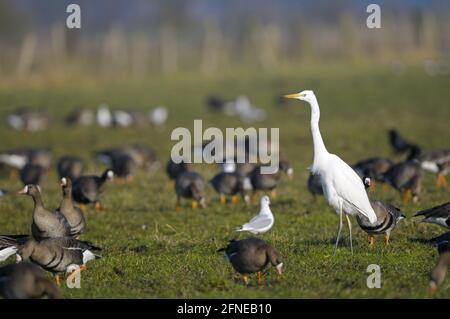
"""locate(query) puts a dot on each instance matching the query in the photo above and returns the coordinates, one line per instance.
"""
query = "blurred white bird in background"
(262, 222)
(342, 187)
(104, 116)
(158, 116)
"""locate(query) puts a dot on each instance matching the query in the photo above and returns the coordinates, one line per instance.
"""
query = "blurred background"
(139, 38)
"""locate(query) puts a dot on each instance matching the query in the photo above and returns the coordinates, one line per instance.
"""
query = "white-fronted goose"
(314, 185)
(229, 184)
(405, 177)
(262, 222)
(437, 161)
(73, 215)
(251, 255)
(89, 189)
(190, 185)
(398, 143)
(46, 224)
(57, 255)
(176, 169)
(29, 121)
(18, 158)
(439, 215)
(81, 117)
(70, 166)
(32, 174)
(26, 281)
(374, 168)
(261, 181)
(387, 218)
(142, 156)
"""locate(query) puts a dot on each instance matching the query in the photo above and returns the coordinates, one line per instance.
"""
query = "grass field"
(150, 251)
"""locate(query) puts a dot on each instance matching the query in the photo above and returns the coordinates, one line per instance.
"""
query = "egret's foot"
(234, 199)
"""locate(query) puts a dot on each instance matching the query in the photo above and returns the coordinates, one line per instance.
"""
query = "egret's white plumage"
(342, 187)
(262, 222)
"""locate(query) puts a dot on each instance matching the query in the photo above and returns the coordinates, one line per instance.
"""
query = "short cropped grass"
(151, 251)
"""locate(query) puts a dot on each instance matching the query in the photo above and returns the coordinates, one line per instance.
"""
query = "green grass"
(150, 251)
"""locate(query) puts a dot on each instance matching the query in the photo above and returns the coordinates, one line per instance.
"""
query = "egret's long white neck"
(319, 146)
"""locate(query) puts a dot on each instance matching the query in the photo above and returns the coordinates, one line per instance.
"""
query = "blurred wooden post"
(212, 46)
(270, 41)
(139, 55)
(58, 42)
(169, 49)
(27, 55)
(114, 51)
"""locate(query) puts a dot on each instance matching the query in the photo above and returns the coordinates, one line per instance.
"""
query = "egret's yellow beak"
(294, 96)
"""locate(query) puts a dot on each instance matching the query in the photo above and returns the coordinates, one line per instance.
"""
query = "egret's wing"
(350, 187)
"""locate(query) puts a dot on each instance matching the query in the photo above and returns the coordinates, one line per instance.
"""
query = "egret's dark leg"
(339, 229)
(350, 230)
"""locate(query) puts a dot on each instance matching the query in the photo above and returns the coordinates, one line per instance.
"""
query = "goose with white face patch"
(73, 215)
(342, 187)
(56, 255)
(46, 224)
(262, 222)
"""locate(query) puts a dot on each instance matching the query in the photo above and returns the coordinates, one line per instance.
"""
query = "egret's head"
(306, 95)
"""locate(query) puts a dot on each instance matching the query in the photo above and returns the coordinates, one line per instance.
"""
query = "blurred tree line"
(140, 38)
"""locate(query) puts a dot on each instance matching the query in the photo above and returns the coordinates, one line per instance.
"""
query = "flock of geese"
(54, 244)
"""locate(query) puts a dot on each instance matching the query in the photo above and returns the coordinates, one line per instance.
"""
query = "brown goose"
(437, 161)
(26, 281)
(261, 181)
(56, 255)
(314, 185)
(89, 189)
(374, 168)
(175, 169)
(387, 218)
(45, 223)
(32, 174)
(70, 166)
(142, 156)
(406, 177)
(229, 184)
(439, 215)
(252, 255)
(190, 185)
(73, 215)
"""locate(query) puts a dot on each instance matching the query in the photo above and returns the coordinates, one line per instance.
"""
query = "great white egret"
(342, 187)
